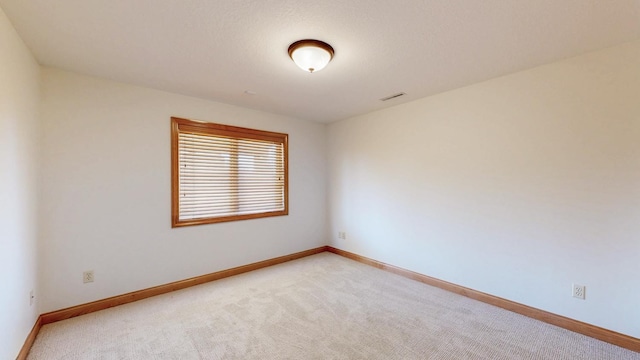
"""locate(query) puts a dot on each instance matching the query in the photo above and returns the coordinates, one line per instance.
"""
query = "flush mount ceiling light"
(311, 55)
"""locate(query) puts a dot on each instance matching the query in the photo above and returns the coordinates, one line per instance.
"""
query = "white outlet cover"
(578, 291)
(87, 276)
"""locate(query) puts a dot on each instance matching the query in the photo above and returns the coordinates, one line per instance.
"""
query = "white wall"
(19, 161)
(106, 192)
(516, 187)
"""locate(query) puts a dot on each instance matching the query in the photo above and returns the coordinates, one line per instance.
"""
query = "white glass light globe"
(311, 58)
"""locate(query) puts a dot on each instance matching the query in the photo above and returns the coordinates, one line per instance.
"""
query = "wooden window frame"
(179, 125)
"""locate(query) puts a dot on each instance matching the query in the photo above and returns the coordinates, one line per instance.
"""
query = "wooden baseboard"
(593, 331)
(163, 289)
(609, 336)
(22, 355)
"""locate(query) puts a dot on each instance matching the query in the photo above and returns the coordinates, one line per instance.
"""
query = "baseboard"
(22, 355)
(612, 337)
(593, 331)
(163, 289)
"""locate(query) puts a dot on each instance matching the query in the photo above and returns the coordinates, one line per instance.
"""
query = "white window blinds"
(226, 173)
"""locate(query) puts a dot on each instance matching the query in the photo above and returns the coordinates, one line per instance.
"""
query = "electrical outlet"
(342, 235)
(32, 297)
(578, 291)
(87, 276)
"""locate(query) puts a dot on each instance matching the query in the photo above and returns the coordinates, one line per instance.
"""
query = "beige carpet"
(319, 307)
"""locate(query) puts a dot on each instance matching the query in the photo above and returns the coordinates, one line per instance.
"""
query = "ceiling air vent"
(392, 96)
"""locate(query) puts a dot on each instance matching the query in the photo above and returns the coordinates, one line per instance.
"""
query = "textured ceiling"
(220, 49)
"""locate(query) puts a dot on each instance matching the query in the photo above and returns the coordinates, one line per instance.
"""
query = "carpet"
(320, 307)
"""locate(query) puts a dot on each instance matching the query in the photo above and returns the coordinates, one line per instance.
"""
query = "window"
(226, 173)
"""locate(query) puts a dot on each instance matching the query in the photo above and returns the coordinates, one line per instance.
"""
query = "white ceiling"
(218, 49)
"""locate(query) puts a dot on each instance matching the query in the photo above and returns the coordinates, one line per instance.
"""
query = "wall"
(106, 194)
(517, 187)
(19, 161)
